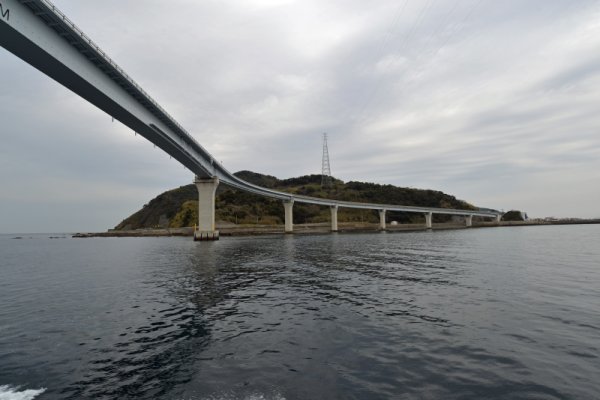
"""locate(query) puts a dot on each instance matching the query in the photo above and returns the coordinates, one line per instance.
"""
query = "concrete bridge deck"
(37, 32)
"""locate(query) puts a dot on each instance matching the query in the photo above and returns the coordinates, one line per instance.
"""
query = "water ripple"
(468, 314)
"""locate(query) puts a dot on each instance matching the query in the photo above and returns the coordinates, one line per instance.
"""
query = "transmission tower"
(325, 167)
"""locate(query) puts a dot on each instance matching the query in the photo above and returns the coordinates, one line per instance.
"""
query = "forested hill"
(178, 207)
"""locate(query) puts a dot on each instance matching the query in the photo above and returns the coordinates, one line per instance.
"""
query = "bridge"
(37, 32)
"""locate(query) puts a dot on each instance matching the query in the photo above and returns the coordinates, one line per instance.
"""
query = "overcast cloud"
(494, 102)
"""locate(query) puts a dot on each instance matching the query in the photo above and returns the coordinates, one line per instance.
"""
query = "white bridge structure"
(37, 32)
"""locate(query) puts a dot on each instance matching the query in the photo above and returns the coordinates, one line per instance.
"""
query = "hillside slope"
(178, 207)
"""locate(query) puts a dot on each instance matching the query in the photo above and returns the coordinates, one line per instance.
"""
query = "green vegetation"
(186, 216)
(178, 207)
(513, 215)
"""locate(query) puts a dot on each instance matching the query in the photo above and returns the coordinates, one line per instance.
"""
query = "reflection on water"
(482, 313)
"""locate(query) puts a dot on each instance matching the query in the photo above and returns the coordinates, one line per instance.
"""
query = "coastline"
(315, 228)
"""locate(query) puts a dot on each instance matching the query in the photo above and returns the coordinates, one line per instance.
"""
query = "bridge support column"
(428, 219)
(289, 216)
(382, 220)
(334, 224)
(469, 220)
(207, 188)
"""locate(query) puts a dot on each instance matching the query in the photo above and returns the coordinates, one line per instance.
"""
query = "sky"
(494, 102)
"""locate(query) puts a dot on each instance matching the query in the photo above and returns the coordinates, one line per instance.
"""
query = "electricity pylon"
(325, 167)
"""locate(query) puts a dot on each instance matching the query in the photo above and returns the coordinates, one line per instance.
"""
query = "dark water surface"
(503, 313)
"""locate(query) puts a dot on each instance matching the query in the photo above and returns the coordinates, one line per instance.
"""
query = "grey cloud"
(574, 75)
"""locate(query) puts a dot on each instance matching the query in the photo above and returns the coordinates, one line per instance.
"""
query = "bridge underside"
(33, 54)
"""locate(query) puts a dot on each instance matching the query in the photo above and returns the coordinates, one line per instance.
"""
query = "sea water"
(490, 313)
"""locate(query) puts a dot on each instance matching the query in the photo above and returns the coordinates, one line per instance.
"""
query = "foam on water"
(13, 393)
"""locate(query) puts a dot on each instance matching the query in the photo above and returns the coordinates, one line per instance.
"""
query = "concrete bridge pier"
(207, 187)
(428, 219)
(469, 220)
(334, 221)
(382, 220)
(288, 206)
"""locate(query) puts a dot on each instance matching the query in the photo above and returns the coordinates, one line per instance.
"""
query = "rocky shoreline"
(315, 228)
(249, 230)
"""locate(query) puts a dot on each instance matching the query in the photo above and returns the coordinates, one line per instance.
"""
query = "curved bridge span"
(37, 32)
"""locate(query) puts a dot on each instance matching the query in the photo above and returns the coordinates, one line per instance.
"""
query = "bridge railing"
(51, 7)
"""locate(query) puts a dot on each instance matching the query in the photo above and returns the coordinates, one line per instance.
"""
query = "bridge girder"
(37, 32)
